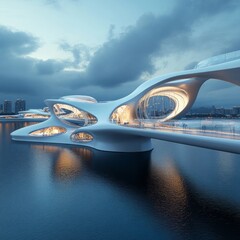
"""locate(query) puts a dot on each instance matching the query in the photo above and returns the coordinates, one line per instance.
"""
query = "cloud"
(13, 43)
(218, 93)
(80, 52)
(192, 31)
(49, 67)
(57, 4)
(20, 74)
(191, 65)
(126, 58)
(111, 32)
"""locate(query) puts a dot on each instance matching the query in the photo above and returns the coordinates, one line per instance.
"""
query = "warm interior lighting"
(47, 132)
(33, 115)
(174, 95)
(121, 115)
(67, 166)
(81, 137)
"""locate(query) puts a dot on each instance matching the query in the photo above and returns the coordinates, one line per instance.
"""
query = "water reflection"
(67, 165)
(160, 187)
(173, 187)
(7, 127)
(126, 169)
(67, 162)
(167, 191)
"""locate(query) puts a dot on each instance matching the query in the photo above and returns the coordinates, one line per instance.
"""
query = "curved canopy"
(80, 98)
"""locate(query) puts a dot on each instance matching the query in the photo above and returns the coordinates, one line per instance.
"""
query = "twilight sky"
(105, 48)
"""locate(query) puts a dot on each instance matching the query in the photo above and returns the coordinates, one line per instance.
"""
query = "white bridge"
(128, 124)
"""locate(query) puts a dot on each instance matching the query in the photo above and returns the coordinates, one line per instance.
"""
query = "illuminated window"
(162, 104)
(121, 115)
(81, 137)
(32, 115)
(155, 107)
(73, 116)
(47, 132)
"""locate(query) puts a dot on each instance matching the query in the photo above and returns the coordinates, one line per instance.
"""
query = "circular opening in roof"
(73, 116)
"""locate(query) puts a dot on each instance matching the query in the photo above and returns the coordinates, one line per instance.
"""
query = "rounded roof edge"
(79, 98)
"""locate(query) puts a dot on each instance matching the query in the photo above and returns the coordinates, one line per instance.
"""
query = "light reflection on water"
(173, 192)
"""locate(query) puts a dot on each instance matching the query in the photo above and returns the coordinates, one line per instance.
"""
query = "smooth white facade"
(118, 125)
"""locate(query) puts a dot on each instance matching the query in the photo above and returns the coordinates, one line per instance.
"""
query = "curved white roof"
(80, 98)
(35, 111)
(118, 131)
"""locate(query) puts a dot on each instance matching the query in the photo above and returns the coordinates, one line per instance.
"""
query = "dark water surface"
(64, 192)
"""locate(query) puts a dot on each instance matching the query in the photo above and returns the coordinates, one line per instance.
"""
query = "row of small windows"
(71, 116)
(55, 130)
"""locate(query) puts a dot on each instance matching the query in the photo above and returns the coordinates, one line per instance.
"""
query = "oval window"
(48, 131)
(121, 115)
(162, 104)
(81, 137)
(156, 107)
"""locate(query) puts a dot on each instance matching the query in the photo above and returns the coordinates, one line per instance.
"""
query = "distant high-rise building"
(1, 108)
(7, 107)
(236, 110)
(20, 105)
(220, 110)
(213, 111)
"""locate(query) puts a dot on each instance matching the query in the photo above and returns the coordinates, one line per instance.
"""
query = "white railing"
(204, 127)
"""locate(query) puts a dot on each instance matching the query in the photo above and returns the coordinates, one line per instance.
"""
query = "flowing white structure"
(128, 124)
(35, 114)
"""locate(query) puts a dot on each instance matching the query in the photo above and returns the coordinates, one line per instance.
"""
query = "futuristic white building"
(35, 114)
(128, 124)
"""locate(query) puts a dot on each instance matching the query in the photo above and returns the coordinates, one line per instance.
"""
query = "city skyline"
(219, 109)
(7, 107)
(119, 119)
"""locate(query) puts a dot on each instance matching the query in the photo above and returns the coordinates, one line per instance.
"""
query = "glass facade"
(156, 107)
(47, 132)
(162, 104)
(121, 115)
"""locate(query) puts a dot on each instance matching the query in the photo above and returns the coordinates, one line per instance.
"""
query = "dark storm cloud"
(20, 74)
(218, 93)
(49, 67)
(16, 43)
(191, 26)
(125, 58)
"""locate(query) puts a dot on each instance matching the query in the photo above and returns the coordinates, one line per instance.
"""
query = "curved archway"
(162, 103)
(73, 116)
